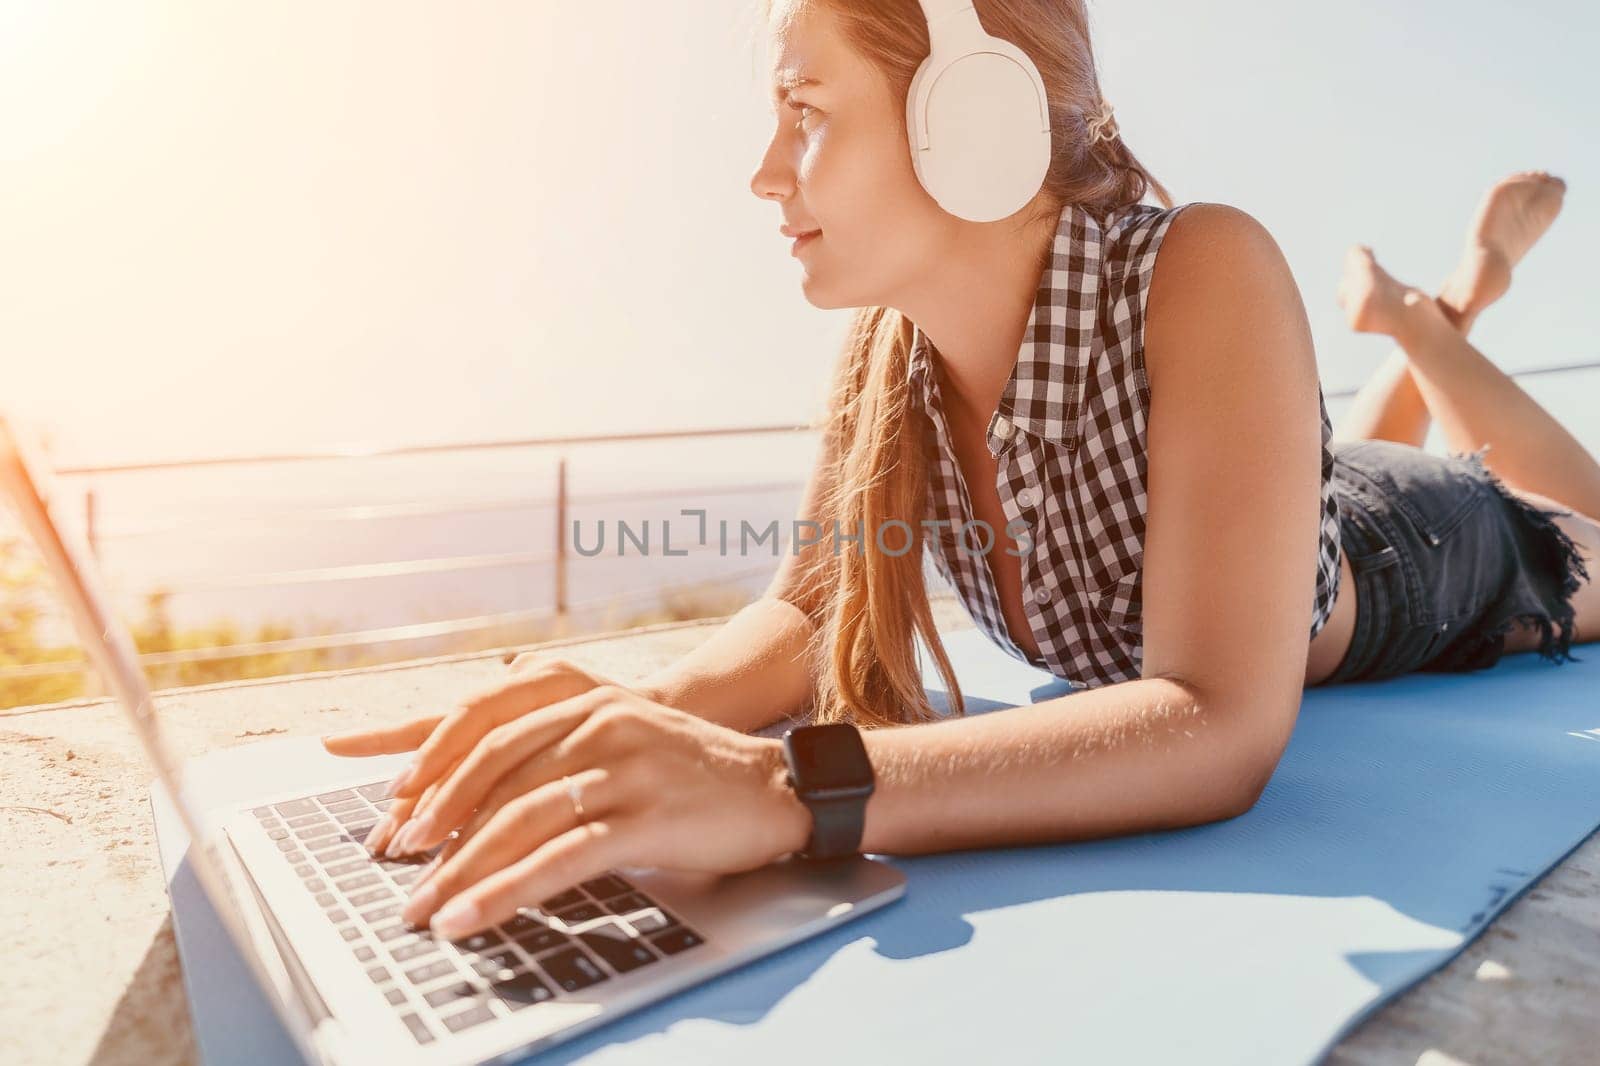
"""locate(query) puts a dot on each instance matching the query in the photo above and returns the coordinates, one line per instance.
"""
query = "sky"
(234, 227)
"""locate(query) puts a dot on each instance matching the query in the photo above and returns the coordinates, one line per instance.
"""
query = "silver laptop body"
(316, 917)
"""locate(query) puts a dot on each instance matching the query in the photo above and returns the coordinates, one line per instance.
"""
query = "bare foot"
(1373, 301)
(1511, 217)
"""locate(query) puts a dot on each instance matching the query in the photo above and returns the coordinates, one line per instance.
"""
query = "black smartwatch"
(829, 772)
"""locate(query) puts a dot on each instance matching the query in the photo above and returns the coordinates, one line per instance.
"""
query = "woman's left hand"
(658, 787)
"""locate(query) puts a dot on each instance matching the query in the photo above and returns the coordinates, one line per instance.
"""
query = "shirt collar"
(1044, 395)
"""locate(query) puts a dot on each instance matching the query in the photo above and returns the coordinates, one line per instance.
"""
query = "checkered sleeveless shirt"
(1069, 441)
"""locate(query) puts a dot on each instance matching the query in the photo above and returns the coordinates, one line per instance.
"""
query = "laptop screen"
(26, 480)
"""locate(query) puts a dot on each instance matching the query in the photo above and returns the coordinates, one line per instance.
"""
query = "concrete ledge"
(93, 974)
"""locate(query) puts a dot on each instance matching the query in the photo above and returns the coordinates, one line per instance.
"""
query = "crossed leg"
(1436, 374)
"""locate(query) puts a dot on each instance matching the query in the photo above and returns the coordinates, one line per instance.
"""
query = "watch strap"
(836, 827)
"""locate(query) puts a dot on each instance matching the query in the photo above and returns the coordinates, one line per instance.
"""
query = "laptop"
(316, 917)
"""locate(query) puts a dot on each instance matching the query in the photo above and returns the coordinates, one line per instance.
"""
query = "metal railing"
(560, 559)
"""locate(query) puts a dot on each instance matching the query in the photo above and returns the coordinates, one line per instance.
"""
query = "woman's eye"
(800, 123)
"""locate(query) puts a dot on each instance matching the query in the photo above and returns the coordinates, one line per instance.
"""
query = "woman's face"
(839, 163)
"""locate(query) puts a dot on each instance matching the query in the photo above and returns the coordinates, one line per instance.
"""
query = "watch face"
(829, 756)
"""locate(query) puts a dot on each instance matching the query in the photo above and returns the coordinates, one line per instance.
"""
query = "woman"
(1149, 442)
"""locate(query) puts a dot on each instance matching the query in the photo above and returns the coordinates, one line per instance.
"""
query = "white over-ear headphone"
(977, 118)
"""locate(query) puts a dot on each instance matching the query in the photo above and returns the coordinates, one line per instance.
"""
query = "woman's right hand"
(442, 741)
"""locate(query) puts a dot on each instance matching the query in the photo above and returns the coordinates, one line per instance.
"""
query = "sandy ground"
(93, 974)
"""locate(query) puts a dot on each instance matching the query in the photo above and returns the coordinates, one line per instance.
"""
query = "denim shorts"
(1445, 559)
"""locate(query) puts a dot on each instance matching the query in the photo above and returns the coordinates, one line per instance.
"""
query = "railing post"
(561, 535)
(88, 525)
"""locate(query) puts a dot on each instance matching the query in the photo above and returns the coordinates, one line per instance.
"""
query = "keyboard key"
(606, 886)
(451, 994)
(378, 914)
(286, 844)
(620, 951)
(380, 975)
(395, 996)
(572, 969)
(326, 900)
(321, 845)
(405, 877)
(294, 856)
(373, 895)
(675, 940)
(304, 870)
(522, 990)
(262, 812)
(520, 924)
(480, 941)
(335, 797)
(345, 869)
(350, 884)
(562, 901)
(375, 791)
(632, 901)
(383, 805)
(426, 973)
(278, 834)
(365, 954)
(542, 939)
(351, 932)
(498, 965)
(316, 831)
(651, 921)
(316, 884)
(418, 1028)
(583, 912)
(393, 932)
(413, 950)
(338, 917)
(467, 1018)
(351, 804)
(295, 807)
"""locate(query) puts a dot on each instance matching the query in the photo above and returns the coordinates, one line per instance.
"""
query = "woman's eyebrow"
(787, 81)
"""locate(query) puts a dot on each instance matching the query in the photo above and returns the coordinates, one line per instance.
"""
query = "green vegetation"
(27, 597)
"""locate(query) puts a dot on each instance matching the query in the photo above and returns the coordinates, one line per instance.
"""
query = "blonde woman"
(1123, 464)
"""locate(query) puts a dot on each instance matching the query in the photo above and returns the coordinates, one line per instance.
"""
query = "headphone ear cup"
(988, 147)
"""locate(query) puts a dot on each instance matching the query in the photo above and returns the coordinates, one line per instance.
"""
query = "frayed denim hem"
(1555, 633)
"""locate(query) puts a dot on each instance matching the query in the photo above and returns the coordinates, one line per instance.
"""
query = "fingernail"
(400, 779)
(421, 903)
(377, 831)
(419, 830)
(402, 842)
(458, 917)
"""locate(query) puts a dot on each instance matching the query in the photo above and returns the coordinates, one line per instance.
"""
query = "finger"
(516, 829)
(400, 842)
(461, 730)
(537, 738)
(519, 782)
(384, 831)
(385, 740)
(576, 855)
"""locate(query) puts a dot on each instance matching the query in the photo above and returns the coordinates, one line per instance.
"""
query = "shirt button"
(1025, 497)
(1040, 595)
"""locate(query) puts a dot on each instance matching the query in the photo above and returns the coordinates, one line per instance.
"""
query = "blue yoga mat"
(1403, 817)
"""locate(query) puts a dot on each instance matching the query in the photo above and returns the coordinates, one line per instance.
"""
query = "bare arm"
(750, 672)
(1228, 574)
(755, 668)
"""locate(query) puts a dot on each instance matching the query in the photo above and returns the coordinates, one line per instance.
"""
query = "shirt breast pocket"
(1118, 603)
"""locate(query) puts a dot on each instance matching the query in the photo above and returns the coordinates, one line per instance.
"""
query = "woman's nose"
(773, 180)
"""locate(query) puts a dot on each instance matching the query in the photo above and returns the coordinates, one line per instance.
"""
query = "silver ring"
(577, 804)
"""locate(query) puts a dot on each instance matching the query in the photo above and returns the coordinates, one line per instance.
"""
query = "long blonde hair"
(869, 606)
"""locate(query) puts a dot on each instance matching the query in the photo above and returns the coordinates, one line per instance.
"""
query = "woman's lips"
(804, 241)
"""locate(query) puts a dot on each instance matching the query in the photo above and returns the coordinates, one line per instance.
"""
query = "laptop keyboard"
(577, 938)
